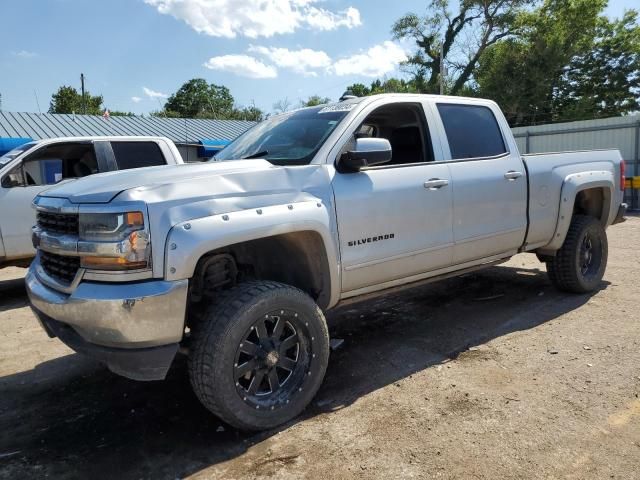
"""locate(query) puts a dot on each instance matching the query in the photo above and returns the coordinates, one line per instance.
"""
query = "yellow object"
(632, 182)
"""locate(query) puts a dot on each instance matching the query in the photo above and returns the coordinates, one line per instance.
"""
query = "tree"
(314, 100)
(282, 105)
(440, 33)
(389, 85)
(251, 113)
(68, 100)
(523, 74)
(199, 99)
(605, 79)
(118, 113)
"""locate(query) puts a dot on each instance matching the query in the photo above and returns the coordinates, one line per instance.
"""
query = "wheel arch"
(272, 258)
(299, 251)
(587, 193)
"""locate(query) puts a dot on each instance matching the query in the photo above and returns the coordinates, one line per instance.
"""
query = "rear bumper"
(622, 210)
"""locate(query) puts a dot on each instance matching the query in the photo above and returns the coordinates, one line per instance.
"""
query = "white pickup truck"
(234, 262)
(35, 166)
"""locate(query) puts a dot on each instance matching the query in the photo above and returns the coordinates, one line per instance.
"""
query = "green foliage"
(118, 113)
(569, 63)
(604, 80)
(314, 100)
(252, 114)
(68, 100)
(199, 99)
(389, 85)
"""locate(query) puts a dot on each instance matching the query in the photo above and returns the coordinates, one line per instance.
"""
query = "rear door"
(489, 182)
(137, 154)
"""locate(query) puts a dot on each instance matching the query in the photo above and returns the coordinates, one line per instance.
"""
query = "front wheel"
(580, 263)
(259, 355)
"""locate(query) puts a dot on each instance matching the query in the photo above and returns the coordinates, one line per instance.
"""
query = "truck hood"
(181, 193)
(104, 187)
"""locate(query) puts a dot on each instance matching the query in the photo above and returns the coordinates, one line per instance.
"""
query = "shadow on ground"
(12, 294)
(70, 417)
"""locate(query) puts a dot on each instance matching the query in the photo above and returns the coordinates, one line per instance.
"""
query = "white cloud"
(24, 54)
(320, 19)
(136, 99)
(243, 65)
(255, 18)
(375, 62)
(153, 94)
(302, 61)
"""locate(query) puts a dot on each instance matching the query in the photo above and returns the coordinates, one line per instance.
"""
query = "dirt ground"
(492, 375)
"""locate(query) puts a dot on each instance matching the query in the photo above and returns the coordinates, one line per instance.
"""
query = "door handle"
(435, 183)
(512, 175)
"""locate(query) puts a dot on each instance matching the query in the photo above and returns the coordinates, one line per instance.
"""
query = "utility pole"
(84, 107)
(442, 69)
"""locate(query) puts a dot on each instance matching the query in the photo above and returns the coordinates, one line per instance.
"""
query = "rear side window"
(472, 131)
(137, 154)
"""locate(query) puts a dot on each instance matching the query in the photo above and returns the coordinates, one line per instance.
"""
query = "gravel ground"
(491, 375)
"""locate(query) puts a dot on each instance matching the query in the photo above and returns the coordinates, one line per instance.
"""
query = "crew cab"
(31, 168)
(234, 262)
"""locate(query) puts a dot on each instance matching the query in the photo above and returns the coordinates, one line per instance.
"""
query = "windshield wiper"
(256, 155)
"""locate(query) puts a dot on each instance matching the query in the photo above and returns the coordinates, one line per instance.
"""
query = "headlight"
(109, 227)
(113, 241)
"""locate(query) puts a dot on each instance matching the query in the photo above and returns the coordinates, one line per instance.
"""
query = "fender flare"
(572, 185)
(189, 240)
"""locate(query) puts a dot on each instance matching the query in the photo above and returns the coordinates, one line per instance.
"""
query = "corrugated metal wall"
(622, 133)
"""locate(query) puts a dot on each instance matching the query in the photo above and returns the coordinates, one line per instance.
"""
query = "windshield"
(11, 154)
(292, 138)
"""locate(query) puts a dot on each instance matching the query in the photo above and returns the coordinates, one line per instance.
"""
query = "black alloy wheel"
(259, 354)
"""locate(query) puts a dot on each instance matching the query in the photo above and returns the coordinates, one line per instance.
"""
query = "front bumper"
(131, 318)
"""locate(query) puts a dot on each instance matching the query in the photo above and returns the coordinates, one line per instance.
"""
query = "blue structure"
(209, 147)
(7, 144)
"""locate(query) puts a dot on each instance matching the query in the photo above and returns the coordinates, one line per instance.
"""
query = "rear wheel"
(259, 355)
(580, 263)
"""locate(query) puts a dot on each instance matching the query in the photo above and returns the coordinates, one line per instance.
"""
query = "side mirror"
(367, 153)
(12, 180)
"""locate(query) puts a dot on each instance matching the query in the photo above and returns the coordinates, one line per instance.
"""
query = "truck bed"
(548, 172)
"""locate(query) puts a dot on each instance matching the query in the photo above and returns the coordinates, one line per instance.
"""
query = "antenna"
(162, 110)
(37, 102)
(443, 71)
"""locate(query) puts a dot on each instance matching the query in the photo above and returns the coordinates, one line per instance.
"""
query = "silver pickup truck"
(234, 262)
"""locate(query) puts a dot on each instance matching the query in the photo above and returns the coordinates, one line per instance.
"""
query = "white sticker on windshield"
(338, 107)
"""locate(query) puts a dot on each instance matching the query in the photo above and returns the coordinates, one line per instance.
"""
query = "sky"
(137, 52)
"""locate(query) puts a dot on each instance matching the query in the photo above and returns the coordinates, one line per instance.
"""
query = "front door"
(394, 220)
(38, 171)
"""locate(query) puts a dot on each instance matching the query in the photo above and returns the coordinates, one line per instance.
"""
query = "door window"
(52, 164)
(404, 125)
(137, 154)
(472, 131)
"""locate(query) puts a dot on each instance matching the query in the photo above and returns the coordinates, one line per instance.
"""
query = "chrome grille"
(61, 268)
(61, 223)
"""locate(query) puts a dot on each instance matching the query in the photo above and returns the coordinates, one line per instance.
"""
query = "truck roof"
(127, 138)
